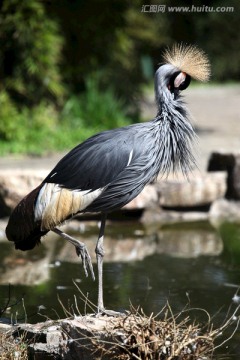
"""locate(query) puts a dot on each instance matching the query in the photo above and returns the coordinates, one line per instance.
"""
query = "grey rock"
(15, 184)
(69, 339)
(147, 198)
(166, 216)
(199, 190)
(229, 162)
(224, 210)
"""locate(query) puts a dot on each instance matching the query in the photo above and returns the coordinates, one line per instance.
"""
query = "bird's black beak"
(176, 93)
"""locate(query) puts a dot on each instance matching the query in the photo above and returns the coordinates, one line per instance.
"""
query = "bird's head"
(181, 63)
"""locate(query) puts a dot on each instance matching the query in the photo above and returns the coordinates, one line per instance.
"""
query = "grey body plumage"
(156, 146)
(111, 168)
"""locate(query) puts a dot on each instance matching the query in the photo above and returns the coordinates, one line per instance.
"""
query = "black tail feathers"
(22, 228)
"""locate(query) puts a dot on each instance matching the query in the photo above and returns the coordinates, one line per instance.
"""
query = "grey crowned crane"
(109, 169)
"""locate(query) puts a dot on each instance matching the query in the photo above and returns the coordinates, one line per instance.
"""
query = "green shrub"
(11, 122)
(42, 128)
(25, 130)
(30, 53)
(95, 108)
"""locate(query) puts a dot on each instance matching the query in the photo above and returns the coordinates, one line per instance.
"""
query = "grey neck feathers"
(175, 134)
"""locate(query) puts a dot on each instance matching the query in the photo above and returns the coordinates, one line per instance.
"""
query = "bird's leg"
(99, 255)
(81, 250)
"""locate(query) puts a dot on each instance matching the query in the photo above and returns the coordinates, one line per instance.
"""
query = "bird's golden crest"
(189, 59)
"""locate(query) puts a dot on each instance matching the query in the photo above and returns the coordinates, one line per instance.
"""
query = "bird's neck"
(175, 136)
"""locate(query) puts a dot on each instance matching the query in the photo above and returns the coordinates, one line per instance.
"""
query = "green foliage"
(10, 123)
(222, 46)
(26, 130)
(52, 50)
(30, 50)
(95, 108)
(110, 36)
(215, 31)
(42, 128)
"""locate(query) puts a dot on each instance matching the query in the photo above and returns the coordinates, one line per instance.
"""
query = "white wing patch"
(55, 204)
(130, 158)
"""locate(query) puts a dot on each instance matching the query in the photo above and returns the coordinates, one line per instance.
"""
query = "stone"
(224, 210)
(45, 340)
(15, 184)
(166, 216)
(71, 338)
(123, 336)
(229, 162)
(4, 325)
(200, 190)
(3, 224)
(147, 198)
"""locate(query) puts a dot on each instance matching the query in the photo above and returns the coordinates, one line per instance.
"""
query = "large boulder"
(15, 184)
(200, 190)
(224, 210)
(229, 162)
(147, 198)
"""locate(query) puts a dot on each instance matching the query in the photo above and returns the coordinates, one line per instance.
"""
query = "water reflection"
(123, 243)
(147, 266)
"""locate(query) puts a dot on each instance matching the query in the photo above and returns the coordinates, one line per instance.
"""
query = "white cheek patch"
(55, 204)
(179, 79)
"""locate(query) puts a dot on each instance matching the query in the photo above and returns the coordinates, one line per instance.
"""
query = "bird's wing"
(96, 162)
(101, 174)
(130, 181)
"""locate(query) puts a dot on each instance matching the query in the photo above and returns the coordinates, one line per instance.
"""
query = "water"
(192, 265)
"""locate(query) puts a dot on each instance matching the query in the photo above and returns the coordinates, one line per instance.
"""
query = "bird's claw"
(82, 251)
(110, 313)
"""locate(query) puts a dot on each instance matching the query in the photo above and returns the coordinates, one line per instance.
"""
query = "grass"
(45, 129)
(12, 348)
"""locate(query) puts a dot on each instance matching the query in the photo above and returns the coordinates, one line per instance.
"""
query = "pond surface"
(191, 265)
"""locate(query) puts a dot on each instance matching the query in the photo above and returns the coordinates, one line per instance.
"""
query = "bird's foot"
(82, 251)
(107, 312)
